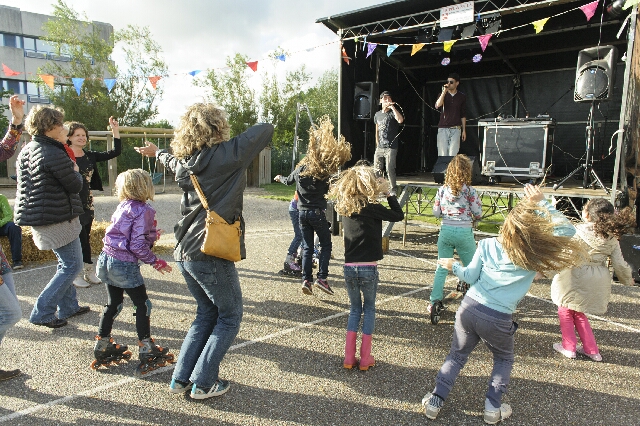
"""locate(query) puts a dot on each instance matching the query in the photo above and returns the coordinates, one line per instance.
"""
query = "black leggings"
(85, 232)
(142, 310)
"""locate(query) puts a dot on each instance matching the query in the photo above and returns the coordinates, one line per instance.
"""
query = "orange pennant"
(253, 65)
(9, 72)
(345, 57)
(48, 79)
(154, 80)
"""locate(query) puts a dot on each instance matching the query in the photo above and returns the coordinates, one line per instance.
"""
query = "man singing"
(387, 126)
(453, 119)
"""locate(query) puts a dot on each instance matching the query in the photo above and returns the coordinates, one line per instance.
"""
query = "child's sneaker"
(177, 386)
(323, 285)
(219, 387)
(494, 415)
(569, 354)
(307, 288)
(432, 405)
(594, 357)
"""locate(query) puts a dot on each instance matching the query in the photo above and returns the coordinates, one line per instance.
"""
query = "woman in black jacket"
(87, 161)
(47, 200)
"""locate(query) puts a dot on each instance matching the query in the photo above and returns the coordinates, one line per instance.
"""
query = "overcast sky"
(200, 34)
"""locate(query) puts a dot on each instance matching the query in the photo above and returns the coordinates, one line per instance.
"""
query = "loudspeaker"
(595, 74)
(440, 168)
(630, 247)
(365, 100)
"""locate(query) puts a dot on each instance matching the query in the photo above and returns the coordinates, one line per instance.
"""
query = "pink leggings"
(570, 318)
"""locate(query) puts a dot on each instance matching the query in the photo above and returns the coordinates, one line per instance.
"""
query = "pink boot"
(350, 350)
(366, 360)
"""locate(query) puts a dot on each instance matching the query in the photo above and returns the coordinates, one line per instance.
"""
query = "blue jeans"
(310, 221)
(118, 273)
(14, 233)
(476, 322)
(216, 287)
(450, 238)
(363, 278)
(10, 312)
(448, 141)
(297, 233)
(60, 294)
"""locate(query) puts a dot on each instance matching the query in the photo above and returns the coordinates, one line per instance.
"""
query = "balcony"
(62, 58)
(38, 99)
(34, 54)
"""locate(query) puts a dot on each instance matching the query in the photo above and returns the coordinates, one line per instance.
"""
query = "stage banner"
(461, 13)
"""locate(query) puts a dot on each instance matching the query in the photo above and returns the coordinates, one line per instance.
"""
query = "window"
(43, 46)
(32, 89)
(10, 40)
(18, 87)
(29, 43)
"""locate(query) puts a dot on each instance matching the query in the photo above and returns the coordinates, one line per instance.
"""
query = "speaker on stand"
(365, 105)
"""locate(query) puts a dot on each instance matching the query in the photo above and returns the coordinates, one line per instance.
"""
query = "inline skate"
(152, 356)
(107, 351)
(291, 268)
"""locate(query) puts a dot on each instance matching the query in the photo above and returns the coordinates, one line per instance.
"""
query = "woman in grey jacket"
(47, 200)
(202, 147)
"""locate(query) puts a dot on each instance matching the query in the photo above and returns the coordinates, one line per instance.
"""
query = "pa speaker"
(365, 100)
(440, 168)
(595, 74)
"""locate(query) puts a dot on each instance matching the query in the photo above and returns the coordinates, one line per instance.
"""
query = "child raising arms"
(535, 237)
(356, 195)
(586, 289)
(128, 239)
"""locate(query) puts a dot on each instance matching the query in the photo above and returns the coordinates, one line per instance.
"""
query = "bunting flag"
(370, 48)
(109, 82)
(629, 3)
(589, 9)
(194, 73)
(9, 72)
(484, 41)
(154, 80)
(539, 24)
(391, 48)
(345, 57)
(448, 44)
(48, 79)
(282, 57)
(77, 83)
(416, 47)
(253, 65)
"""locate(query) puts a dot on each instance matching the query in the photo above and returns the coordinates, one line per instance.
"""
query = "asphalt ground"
(285, 366)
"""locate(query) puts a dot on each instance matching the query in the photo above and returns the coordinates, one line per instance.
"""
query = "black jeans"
(310, 221)
(84, 242)
(142, 310)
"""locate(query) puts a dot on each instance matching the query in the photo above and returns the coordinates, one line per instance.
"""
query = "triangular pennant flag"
(539, 24)
(48, 79)
(77, 83)
(194, 72)
(154, 80)
(109, 82)
(253, 65)
(282, 57)
(416, 47)
(484, 40)
(9, 72)
(391, 48)
(370, 48)
(448, 44)
(345, 57)
(589, 9)
(629, 3)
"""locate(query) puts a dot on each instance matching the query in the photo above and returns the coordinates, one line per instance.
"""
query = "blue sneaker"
(220, 387)
(177, 386)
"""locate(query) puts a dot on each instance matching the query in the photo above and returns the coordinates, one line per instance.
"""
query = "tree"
(322, 99)
(4, 121)
(230, 90)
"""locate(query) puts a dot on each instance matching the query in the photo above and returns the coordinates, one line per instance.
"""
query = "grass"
(278, 191)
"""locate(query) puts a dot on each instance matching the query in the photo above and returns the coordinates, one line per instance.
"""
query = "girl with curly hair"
(535, 238)
(586, 288)
(356, 194)
(458, 204)
(325, 156)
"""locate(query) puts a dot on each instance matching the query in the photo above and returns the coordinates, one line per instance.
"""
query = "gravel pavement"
(285, 366)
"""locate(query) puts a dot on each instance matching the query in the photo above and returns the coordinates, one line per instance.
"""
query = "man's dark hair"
(455, 76)
(386, 92)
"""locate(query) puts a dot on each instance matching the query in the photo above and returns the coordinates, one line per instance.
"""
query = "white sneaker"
(569, 354)
(494, 415)
(431, 411)
(80, 283)
(594, 357)
(90, 275)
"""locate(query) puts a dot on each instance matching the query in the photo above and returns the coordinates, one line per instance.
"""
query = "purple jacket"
(132, 233)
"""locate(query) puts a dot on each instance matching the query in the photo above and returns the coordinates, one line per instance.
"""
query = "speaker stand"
(588, 163)
(364, 150)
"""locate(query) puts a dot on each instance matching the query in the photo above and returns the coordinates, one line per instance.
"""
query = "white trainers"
(80, 283)
(90, 274)
(431, 411)
(494, 415)
(569, 354)
(594, 357)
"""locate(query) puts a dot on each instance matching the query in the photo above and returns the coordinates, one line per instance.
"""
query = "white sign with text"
(456, 14)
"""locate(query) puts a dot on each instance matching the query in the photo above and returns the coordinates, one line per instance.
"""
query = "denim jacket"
(132, 233)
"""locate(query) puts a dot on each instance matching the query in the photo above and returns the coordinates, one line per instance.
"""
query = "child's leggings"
(570, 319)
(452, 237)
(142, 312)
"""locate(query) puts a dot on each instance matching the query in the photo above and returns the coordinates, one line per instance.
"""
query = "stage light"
(614, 9)
(445, 61)
(477, 58)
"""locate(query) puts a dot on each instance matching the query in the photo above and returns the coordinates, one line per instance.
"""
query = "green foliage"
(278, 191)
(4, 121)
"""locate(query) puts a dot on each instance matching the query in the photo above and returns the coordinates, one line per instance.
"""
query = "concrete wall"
(10, 20)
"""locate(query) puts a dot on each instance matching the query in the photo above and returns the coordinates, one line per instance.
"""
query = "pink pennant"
(589, 9)
(154, 80)
(484, 40)
(9, 72)
(253, 65)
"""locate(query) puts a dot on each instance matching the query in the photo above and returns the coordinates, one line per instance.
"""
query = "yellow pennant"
(416, 47)
(448, 44)
(539, 24)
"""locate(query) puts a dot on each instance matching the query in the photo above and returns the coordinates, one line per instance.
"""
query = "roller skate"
(107, 351)
(436, 308)
(291, 268)
(152, 356)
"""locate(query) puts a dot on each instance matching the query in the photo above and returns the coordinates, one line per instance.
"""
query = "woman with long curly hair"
(458, 204)
(356, 194)
(586, 289)
(325, 156)
(202, 148)
(535, 238)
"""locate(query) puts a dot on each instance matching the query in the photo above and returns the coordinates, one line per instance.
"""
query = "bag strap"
(196, 184)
